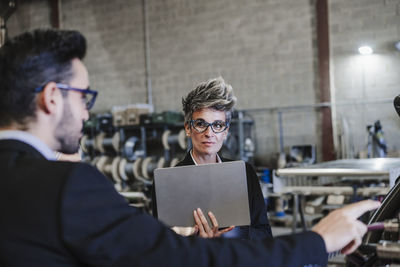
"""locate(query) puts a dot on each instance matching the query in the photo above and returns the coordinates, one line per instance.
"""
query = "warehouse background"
(266, 49)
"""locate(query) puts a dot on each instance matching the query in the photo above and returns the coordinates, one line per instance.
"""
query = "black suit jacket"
(259, 225)
(69, 214)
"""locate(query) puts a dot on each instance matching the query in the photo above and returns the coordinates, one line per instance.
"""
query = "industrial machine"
(381, 246)
(127, 145)
(316, 189)
(131, 141)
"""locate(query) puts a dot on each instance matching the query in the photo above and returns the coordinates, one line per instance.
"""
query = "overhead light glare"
(365, 50)
(397, 45)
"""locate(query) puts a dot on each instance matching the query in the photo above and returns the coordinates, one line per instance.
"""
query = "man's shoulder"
(76, 174)
(73, 168)
(59, 169)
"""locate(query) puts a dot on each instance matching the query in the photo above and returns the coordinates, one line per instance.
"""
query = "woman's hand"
(204, 230)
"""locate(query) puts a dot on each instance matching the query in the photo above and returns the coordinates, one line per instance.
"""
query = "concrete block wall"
(265, 49)
(365, 86)
(29, 15)
(114, 31)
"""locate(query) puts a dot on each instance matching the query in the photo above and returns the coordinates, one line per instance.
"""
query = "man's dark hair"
(31, 60)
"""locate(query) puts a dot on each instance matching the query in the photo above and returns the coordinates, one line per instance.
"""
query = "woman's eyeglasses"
(201, 126)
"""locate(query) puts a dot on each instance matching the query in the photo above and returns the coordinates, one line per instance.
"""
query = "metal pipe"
(241, 134)
(318, 190)
(282, 149)
(329, 172)
(301, 212)
(147, 54)
(388, 250)
(322, 23)
(334, 190)
(322, 105)
(56, 13)
(295, 212)
(59, 14)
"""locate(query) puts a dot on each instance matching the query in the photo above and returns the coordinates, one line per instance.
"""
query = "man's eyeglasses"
(89, 96)
(201, 126)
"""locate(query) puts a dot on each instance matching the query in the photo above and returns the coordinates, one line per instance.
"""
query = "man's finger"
(346, 250)
(359, 230)
(355, 210)
(352, 246)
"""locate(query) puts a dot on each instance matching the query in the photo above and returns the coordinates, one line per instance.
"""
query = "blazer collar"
(29, 139)
(15, 145)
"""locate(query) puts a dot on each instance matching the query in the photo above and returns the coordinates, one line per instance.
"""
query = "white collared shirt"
(195, 163)
(29, 139)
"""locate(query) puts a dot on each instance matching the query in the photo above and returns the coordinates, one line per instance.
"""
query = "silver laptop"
(220, 188)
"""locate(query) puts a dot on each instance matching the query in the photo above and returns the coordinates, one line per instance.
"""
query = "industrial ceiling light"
(397, 45)
(365, 50)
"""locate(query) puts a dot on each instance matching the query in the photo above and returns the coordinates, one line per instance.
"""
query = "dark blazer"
(69, 214)
(259, 225)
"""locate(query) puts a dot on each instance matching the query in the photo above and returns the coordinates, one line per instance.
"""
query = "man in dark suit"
(68, 214)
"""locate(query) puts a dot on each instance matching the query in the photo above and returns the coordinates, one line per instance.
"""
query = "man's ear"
(50, 99)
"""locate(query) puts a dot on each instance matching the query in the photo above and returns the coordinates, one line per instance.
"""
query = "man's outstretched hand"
(341, 230)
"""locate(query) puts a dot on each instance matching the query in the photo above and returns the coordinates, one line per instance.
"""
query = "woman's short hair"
(214, 94)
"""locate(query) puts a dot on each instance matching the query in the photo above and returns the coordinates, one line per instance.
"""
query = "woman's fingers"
(230, 228)
(214, 221)
(196, 230)
(204, 222)
(223, 231)
(199, 224)
(203, 228)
